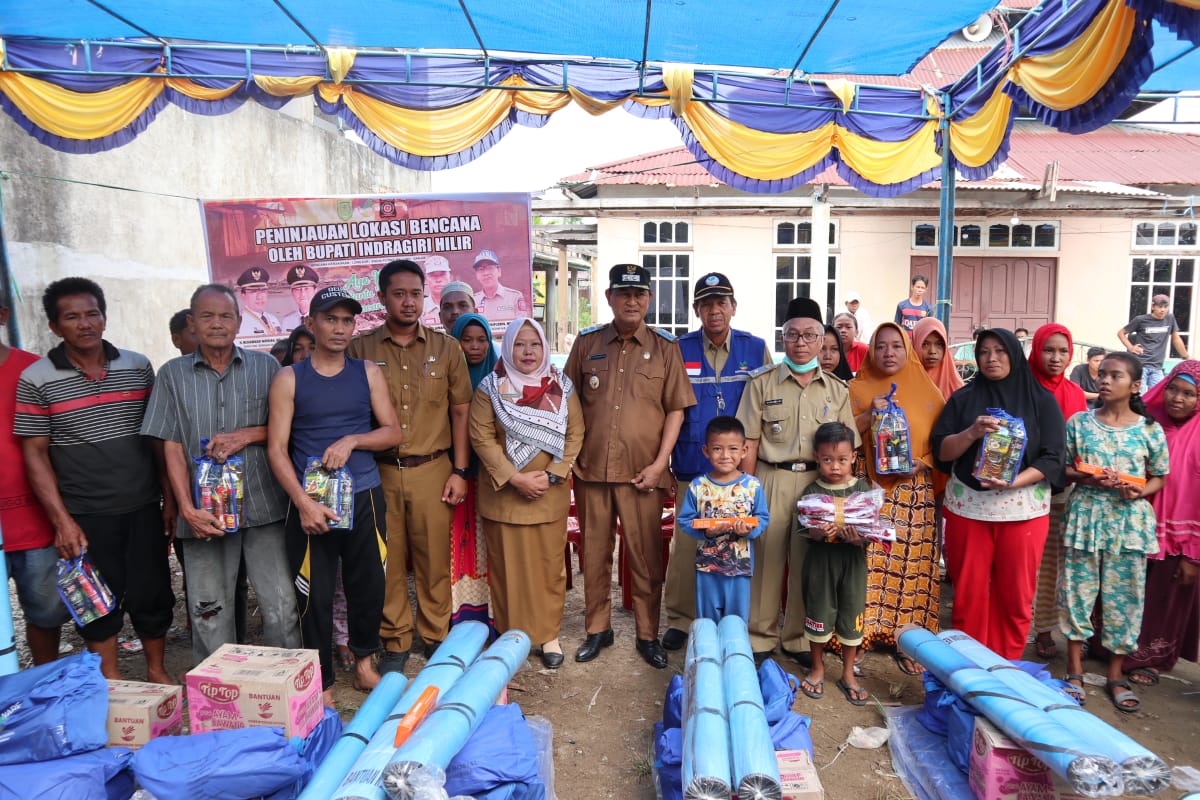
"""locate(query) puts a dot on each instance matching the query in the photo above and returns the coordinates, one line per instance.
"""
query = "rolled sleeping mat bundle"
(706, 765)
(458, 714)
(9, 664)
(450, 662)
(355, 736)
(1090, 774)
(755, 770)
(1143, 772)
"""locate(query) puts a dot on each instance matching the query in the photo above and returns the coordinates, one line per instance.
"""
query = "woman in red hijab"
(1049, 359)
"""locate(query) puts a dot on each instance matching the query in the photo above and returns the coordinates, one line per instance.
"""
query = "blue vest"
(714, 395)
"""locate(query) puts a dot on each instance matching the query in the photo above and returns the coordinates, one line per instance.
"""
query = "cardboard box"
(798, 776)
(139, 712)
(241, 686)
(1002, 770)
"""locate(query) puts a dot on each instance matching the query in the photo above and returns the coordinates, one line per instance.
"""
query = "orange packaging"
(1091, 469)
(704, 523)
(416, 715)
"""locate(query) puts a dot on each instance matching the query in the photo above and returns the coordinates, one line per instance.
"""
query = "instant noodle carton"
(1003, 770)
(242, 686)
(798, 776)
(139, 712)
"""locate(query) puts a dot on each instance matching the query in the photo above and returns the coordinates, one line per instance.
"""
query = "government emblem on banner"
(345, 209)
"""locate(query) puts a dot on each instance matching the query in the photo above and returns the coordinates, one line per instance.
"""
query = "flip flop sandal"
(1045, 649)
(1148, 676)
(1121, 693)
(817, 690)
(1075, 691)
(906, 665)
(852, 695)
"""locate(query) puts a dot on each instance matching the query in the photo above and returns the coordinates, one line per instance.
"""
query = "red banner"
(276, 253)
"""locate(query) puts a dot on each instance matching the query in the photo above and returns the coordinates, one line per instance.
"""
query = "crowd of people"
(468, 455)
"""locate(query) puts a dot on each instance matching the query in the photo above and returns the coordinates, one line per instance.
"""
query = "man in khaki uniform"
(633, 389)
(426, 375)
(781, 409)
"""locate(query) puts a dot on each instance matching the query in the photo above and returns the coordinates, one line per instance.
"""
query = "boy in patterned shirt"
(724, 562)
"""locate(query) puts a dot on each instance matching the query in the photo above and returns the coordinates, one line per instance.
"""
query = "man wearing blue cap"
(496, 302)
(719, 361)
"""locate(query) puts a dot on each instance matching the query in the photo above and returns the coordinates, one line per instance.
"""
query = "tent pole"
(945, 221)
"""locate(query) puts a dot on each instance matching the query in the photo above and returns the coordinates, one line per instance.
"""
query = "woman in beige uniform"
(526, 429)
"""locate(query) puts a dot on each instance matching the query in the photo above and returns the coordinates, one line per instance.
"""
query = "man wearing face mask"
(719, 361)
(781, 409)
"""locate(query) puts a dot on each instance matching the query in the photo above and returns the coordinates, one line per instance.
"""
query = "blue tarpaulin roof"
(876, 37)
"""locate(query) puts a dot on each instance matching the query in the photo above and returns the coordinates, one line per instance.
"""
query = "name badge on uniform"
(778, 401)
(594, 381)
(597, 356)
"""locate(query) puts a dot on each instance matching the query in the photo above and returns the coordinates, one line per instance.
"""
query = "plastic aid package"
(893, 447)
(220, 488)
(859, 510)
(1000, 452)
(85, 593)
(332, 488)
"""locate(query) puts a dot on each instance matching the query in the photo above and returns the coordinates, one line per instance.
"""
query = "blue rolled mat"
(449, 663)
(1142, 770)
(8, 644)
(354, 738)
(706, 759)
(755, 770)
(1089, 773)
(457, 715)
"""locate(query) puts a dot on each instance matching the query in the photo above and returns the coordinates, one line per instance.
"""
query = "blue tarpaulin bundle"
(98, 775)
(52, 711)
(499, 756)
(221, 765)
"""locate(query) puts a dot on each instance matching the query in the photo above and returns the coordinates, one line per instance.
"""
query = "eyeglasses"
(791, 337)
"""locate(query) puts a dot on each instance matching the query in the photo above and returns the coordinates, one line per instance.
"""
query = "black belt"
(408, 461)
(795, 466)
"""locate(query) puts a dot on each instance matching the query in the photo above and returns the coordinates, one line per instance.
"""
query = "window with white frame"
(1171, 270)
(982, 235)
(666, 255)
(794, 268)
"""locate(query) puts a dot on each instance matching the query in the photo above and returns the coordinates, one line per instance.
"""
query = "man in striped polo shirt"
(218, 395)
(79, 412)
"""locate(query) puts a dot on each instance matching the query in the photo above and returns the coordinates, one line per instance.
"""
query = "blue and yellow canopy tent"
(432, 84)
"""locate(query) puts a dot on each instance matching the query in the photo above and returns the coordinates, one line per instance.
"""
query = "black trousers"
(130, 551)
(314, 562)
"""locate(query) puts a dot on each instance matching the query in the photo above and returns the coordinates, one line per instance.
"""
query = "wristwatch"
(462, 472)
(554, 479)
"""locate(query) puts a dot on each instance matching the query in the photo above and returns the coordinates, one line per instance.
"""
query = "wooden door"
(1001, 292)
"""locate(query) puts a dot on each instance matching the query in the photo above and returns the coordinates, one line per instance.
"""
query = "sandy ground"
(603, 711)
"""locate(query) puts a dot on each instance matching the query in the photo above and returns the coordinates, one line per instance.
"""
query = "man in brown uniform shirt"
(633, 388)
(431, 390)
(781, 409)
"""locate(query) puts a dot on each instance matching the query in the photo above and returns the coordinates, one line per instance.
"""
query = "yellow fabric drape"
(778, 156)
(1071, 76)
(340, 60)
(976, 139)
(80, 115)
(678, 80)
(195, 91)
(591, 105)
(287, 87)
(1186, 3)
(844, 90)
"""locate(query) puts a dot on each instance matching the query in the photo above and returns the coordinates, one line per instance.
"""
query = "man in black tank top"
(323, 408)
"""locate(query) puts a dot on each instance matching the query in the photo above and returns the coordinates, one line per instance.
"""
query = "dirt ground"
(603, 712)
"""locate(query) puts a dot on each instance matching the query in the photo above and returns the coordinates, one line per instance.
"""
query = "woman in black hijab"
(832, 348)
(995, 532)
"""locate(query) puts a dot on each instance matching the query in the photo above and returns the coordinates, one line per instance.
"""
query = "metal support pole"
(945, 222)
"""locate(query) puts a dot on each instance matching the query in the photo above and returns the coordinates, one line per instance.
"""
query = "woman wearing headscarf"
(932, 346)
(468, 552)
(1171, 620)
(902, 581)
(833, 355)
(995, 532)
(526, 428)
(1050, 356)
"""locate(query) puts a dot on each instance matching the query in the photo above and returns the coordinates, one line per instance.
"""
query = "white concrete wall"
(146, 247)
(1092, 296)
